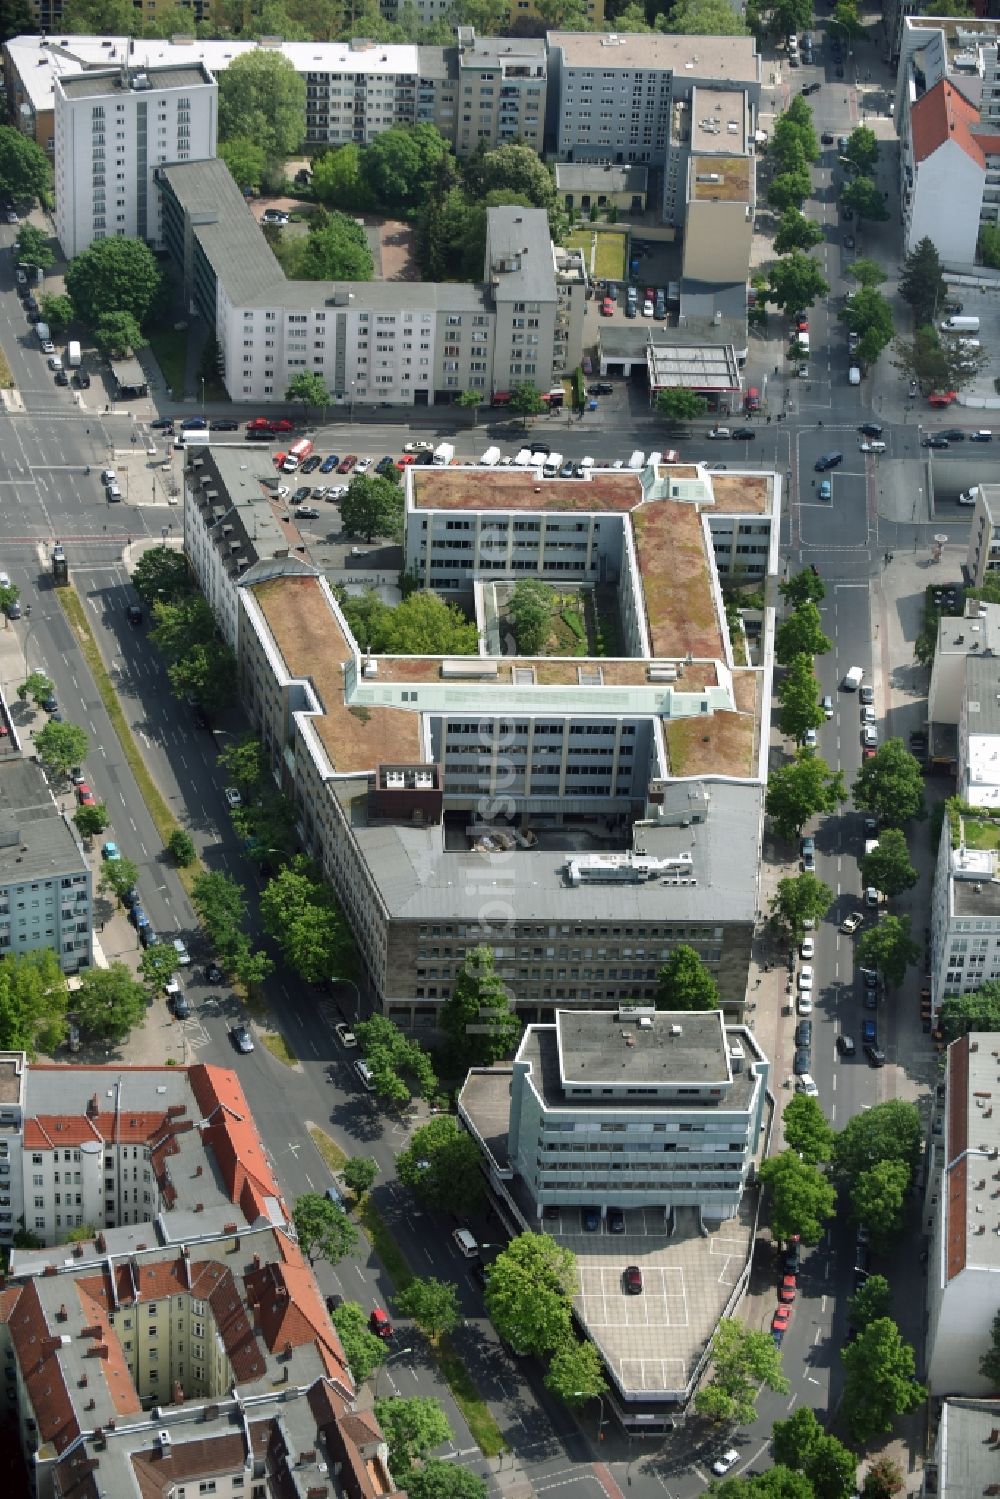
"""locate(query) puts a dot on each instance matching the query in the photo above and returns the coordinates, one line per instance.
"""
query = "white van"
(802, 339)
(854, 375)
(365, 1076)
(552, 465)
(490, 458)
(524, 459)
(654, 458)
(466, 1242)
(637, 460)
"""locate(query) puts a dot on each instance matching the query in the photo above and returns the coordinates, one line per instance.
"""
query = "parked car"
(845, 1046)
(233, 798)
(632, 1279)
(728, 1460)
(241, 1038)
(329, 463)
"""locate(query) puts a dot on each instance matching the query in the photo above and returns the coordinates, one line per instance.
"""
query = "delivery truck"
(960, 325)
(297, 453)
(443, 454)
(73, 354)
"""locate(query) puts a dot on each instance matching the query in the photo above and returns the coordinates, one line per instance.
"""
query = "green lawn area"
(169, 345)
(609, 260)
(981, 832)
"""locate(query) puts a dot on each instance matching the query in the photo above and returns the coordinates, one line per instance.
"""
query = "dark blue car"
(869, 1032)
(329, 463)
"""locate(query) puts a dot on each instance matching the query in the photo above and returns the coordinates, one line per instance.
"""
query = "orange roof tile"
(944, 114)
(291, 1310)
(230, 1131)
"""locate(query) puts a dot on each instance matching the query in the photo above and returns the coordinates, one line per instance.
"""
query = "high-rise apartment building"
(114, 129)
(46, 888)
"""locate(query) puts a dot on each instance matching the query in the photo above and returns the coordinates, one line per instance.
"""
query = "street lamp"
(336, 978)
(591, 1395)
(203, 397)
(378, 1372)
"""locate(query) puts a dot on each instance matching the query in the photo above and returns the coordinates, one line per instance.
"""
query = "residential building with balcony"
(46, 887)
(501, 93)
(114, 129)
(962, 1219)
(965, 908)
(414, 343)
(983, 555)
(614, 96)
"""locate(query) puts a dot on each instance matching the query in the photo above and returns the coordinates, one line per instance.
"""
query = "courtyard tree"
(405, 165)
(372, 506)
(800, 634)
(441, 1165)
(479, 1017)
(324, 1230)
(263, 99)
(890, 784)
(881, 1380)
(32, 1002)
(799, 898)
(530, 611)
(678, 404)
(800, 790)
(528, 1293)
(889, 948)
(246, 160)
(888, 866)
(742, 1361)
(802, 1197)
(685, 983)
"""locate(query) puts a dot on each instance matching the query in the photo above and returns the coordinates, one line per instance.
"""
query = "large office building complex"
(581, 814)
(114, 128)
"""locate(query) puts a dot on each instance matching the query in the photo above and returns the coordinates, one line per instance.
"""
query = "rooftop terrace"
(681, 604)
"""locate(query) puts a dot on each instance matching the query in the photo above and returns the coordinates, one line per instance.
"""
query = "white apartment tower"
(113, 128)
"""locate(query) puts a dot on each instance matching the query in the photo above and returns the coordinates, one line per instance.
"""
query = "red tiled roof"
(944, 114)
(956, 1166)
(232, 1135)
(158, 1472)
(290, 1309)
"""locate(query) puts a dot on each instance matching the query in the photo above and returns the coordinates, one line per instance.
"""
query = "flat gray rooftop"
(35, 838)
(595, 1049)
(98, 84)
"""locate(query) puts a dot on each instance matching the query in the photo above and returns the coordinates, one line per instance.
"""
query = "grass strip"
(279, 1047)
(328, 1148)
(478, 1418)
(6, 374)
(164, 820)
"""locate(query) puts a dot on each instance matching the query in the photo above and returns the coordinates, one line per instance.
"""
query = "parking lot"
(653, 1340)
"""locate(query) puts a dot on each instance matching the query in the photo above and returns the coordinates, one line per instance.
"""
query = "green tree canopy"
(32, 1002)
(245, 763)
(685, 983)
(866, 272)
(864, 196)
(334, 250)
(800, 634)
(794, 137)
(61, 746)
(869, 315)
(109, 1003)
(881, 1380)
(790, 190)
(441, 1165)
(263, 99)
(845, 21)
(412, 1428)
(359, 1174)
(338, 179)
(363, 1350)
(37, 686)
(796, 232)
(989, 1363)
(800, 790)
(399, 1067)
(511, 168)
(743, 1360)
(113, 276)
(922, 284)
(801, 1444)
(530, 610)
(795, 280)
(525, 401)
(479, 1017)
(246, 160)
(405, 164)
(180, 847)
(372, 507)
(678, 404)
(862, 150)
(91, 821)
(802, 1198)
(24, 167)
(33, 247)
(890, 784)
(528, 1293)
(887, 1132)
(576, 1373)
(884, 1478)
(888, 867)
(439, 1479)
(978, 1010)
(118, 335)
(325, 1232)
(433, 1305)
(301, 913)
(58, 311)
(309, 388)
(872, 1299)
(799, 898)
(424, 624)
(118, 876)
(807, 1129)
(798, 691)
(878, 1200)
(805, 587)
(702, 18)
(158, 963)
(161, 573)
(889, 948)
(221, 905)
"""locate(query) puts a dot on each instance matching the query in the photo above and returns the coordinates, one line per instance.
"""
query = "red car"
(607, 307)
(787, 1288)
(868, 753)
(259, 424)
(802, 324)
(942, 398)
(406, 460)
(85, 796)
(780, 1320)
(279, 459)
(380, 1324)
(346, 464)
(282, 424)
